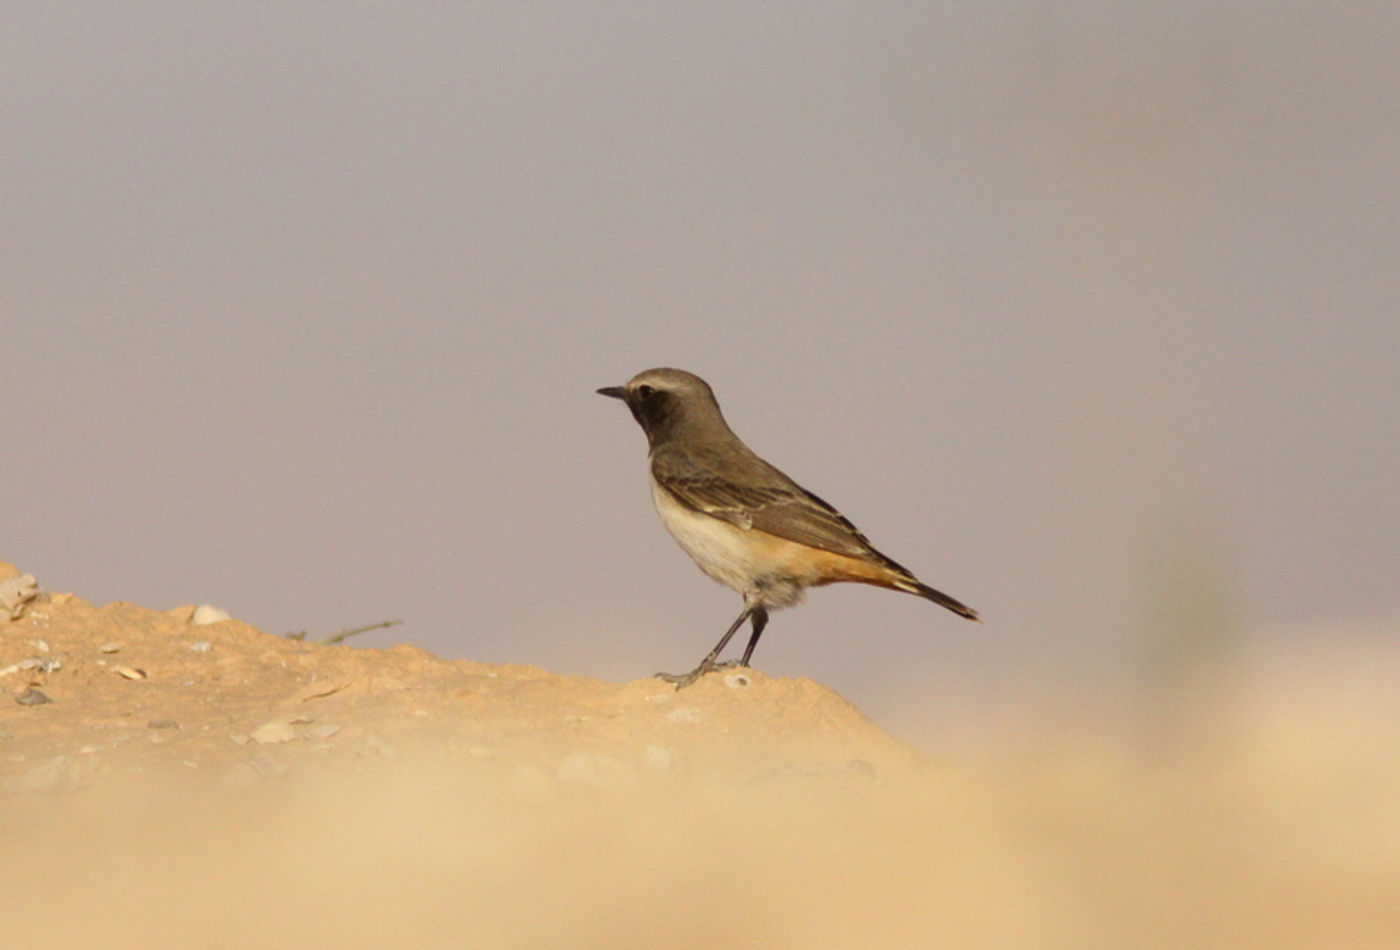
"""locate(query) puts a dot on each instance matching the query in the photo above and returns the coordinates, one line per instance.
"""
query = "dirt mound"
(102, 693)
(175, 779)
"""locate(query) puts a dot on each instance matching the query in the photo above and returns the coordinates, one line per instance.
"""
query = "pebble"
(32, 697)
(16, 593)
(162, 724)
(736, 680)
(110, 648)
(207, 614)
(201, 646)
(276, 731)
(129, 672)
(45, 665)
(34, 663)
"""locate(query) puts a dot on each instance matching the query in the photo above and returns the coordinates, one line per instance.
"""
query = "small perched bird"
(745, 523)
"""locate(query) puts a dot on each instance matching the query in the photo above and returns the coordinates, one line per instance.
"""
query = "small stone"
(41, 645)
(201, 646)
(207, 614)
(323, 731)
(32, 697)
(162, 724)
(276, 731)
(110, 648)
(736, 680)
(129, 672)
(16, 593)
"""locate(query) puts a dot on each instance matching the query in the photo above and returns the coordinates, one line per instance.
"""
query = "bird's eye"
(645, 391)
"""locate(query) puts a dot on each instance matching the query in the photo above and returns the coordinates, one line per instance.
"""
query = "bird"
(743, 522)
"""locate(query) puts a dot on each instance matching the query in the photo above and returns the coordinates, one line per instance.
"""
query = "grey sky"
(304, 306)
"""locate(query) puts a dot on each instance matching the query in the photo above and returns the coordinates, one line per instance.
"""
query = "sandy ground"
(172, 783)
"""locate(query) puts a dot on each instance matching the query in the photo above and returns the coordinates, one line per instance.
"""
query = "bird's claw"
(682, 680)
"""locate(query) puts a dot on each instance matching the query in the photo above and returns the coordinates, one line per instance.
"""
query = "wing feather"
(764, 499)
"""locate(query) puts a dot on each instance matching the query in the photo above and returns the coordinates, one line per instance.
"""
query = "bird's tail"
(943, 600)
(883, 572)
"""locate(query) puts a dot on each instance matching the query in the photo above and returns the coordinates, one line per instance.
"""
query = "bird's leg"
(708, 664)
(760, 620)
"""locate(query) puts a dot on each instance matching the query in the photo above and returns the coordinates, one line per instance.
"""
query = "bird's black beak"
(617, 392)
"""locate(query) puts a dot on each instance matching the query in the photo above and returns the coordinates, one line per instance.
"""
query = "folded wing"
(774, 504)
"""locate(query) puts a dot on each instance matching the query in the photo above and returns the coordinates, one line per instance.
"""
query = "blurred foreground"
(257, 792)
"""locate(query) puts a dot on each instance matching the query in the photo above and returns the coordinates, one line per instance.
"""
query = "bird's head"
(664, 401)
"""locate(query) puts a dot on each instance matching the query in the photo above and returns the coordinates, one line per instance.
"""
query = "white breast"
(742, 559)
(719, 548)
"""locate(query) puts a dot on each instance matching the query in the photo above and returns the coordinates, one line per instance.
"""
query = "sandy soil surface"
(167, 782)
(106, 694)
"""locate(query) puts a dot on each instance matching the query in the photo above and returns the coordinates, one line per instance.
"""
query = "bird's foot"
(682, 680)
